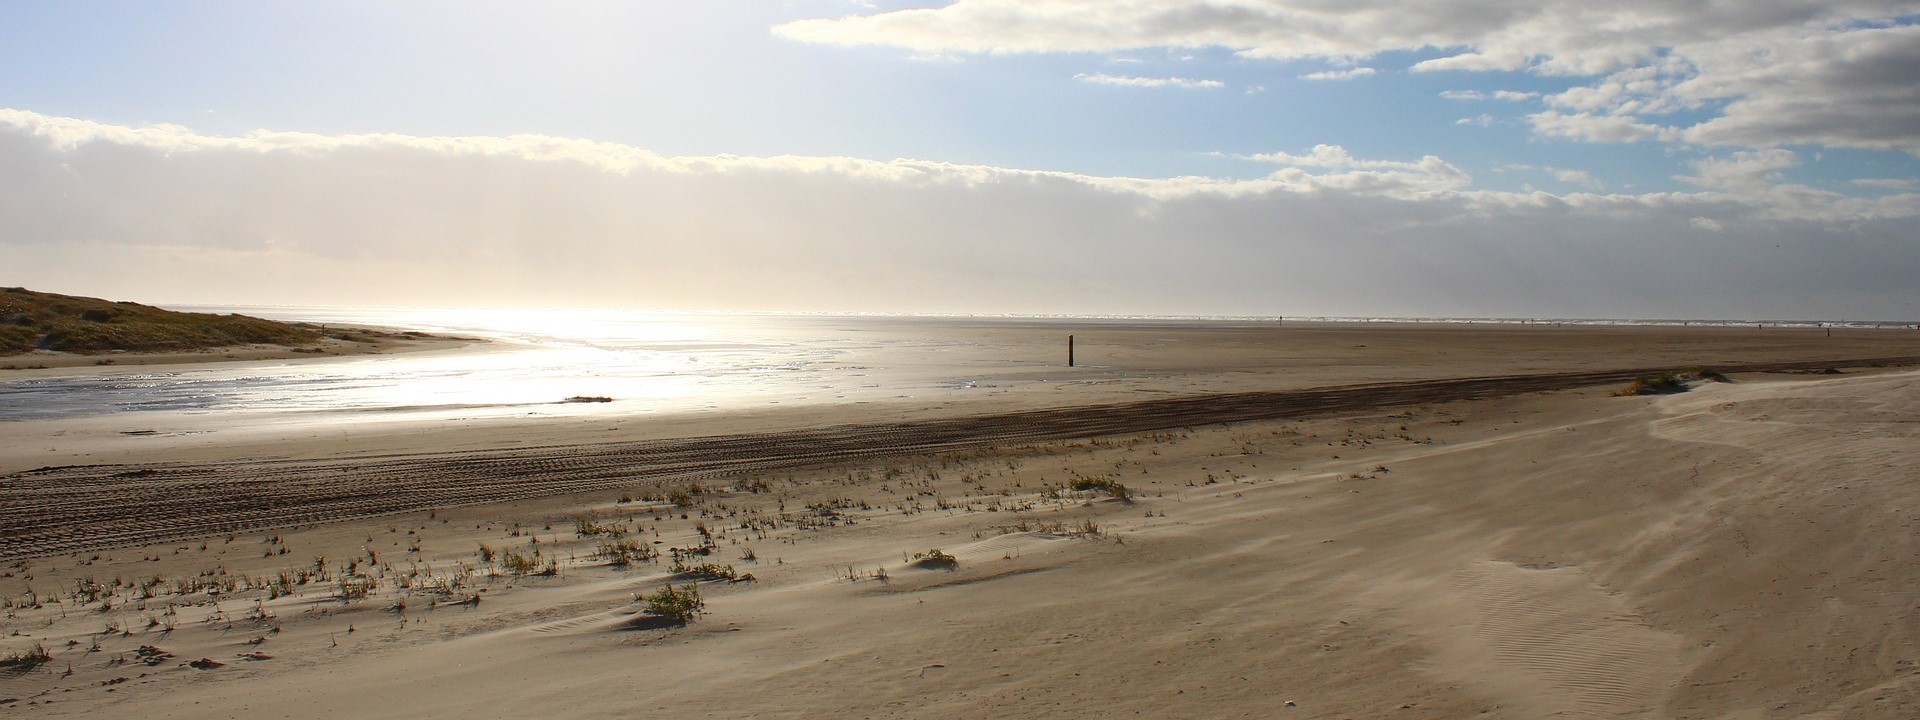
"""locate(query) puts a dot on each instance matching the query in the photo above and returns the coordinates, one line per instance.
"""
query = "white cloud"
(1757, 178)
(1708, 224)
(166, 213)
(1146, 82)
(1575, 177)
(1482, 120)
(1598, 128)
(1887, 183)
(1742, 170)
(1348, 74)
(1828, 72)
(1502, 95)
(1566, 175)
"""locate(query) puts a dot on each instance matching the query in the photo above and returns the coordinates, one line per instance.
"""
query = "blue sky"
(1477, 142)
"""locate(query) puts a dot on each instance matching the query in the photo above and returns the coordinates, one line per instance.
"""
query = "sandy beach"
(1318, 521)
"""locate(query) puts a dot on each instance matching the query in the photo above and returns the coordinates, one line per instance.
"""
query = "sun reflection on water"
(538, 359)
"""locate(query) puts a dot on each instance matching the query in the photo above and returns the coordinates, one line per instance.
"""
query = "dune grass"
(1100, 483)
(26, 660)
(45, 321)
(1675, 381)
(678, 604)
(936, 559)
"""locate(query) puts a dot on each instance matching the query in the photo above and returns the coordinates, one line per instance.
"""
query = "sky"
(1741, 159)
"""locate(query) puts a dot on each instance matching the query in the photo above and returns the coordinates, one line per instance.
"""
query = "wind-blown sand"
(1740, 550)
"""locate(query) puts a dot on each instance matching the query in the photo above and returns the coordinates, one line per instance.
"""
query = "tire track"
(83, 508)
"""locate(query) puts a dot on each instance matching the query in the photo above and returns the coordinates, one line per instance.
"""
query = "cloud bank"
(165, 213)
(1838, 73)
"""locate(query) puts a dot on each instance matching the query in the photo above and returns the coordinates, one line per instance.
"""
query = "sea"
(559, 362)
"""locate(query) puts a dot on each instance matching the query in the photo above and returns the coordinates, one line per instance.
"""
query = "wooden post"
(1069, 351)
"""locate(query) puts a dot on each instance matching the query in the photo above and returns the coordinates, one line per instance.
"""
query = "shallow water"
(647, 362)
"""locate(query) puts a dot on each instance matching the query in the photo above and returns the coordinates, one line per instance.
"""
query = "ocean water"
(647, 362)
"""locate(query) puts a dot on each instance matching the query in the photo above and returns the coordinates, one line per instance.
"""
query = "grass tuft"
(621, 553)
(1667, 383)
(707, 571)
(1101, 483)
(936, 559)
(26, 660)
(679, 605)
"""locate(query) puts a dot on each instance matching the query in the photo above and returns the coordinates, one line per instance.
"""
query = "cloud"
(165, 213)
(1886, 183)
(1758, 178)
(1566, 175)
(1502, 95)
(1842, 88)
(1598, 128)
(1482, 120)
(1837, 73)
(1754, 170)
(1348, 74)
(1574, 177)
(1147, 82)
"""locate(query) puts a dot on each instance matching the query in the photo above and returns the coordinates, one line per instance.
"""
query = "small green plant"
(586, 527)
(705, 571)
(621, 553)
(678, 604)
(936, 558)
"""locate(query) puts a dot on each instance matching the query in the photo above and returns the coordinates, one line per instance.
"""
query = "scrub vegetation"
(45, 321)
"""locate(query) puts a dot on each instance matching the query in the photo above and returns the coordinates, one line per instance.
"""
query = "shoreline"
(970, 370)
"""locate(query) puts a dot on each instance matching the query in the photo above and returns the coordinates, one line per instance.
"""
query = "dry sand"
(1742, 550)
